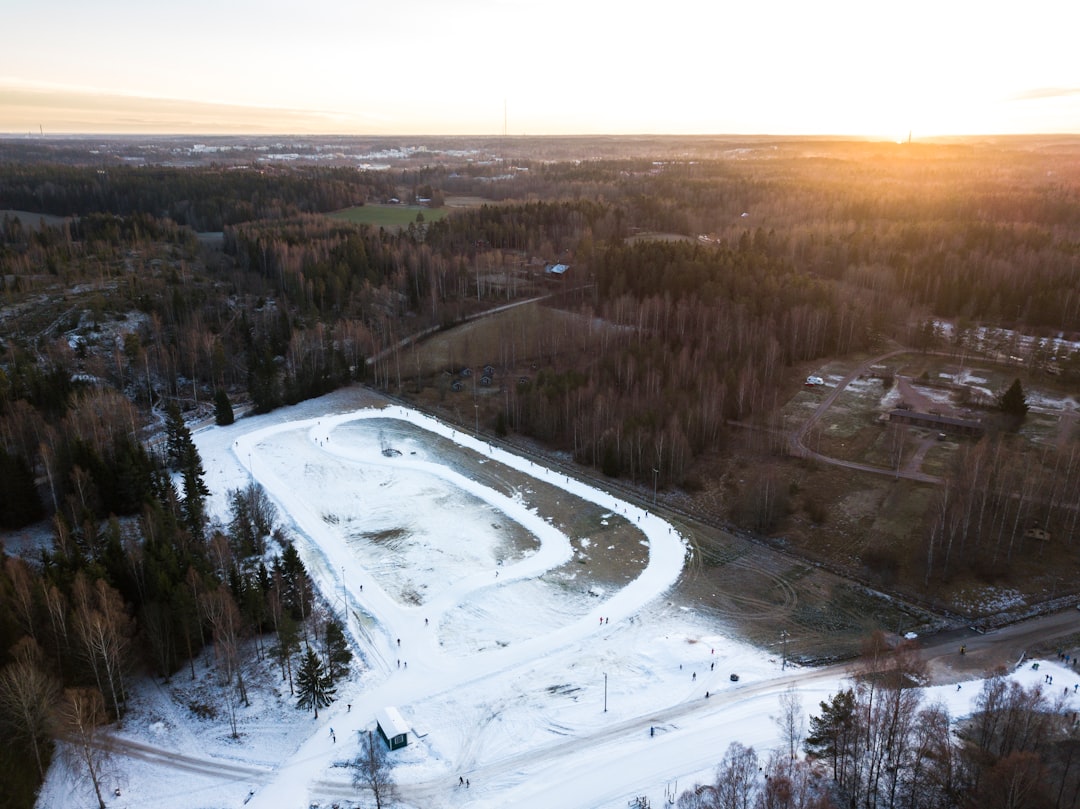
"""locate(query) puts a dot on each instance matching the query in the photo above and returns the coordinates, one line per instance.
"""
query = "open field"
(32, 220)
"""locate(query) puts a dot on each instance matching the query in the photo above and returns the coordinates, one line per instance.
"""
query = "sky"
(543, 683)
(527, 67)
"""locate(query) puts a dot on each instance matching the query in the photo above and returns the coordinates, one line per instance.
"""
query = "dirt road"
(1002, 648)
(799, 449)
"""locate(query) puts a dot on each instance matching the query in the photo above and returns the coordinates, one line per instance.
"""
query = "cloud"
(24, 107)
(1037, 93)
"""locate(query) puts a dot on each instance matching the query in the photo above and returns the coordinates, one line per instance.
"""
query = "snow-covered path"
(406, 631)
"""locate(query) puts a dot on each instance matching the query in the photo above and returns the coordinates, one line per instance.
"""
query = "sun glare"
(844, 67)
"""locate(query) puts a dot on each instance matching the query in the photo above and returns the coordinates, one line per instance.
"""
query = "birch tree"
(79, 716)
(104, 630)
(27, 694)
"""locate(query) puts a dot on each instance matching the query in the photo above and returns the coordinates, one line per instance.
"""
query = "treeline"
(358, 292)
(84, 453)
(204, 199)
(878, 744)
(1001, 500)
(833, 251)
(683, 337)
(987, 233)
(115, 599)
(548, 228)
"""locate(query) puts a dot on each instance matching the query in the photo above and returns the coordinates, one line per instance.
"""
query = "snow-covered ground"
(517, 666)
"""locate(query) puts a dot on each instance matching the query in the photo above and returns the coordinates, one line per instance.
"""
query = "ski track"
(433, 671)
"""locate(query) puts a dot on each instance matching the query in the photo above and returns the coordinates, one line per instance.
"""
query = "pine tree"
(288, 642)
(177, 435)
(314, 684)
(223, 411)
(1013, 404)
(195, 490)
(830, 734)
(338, 654)
(296, 587)
(184, 456)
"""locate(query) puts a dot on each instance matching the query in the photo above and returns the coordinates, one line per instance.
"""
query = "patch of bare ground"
(514, 343)
(608, 552)
(465, 201)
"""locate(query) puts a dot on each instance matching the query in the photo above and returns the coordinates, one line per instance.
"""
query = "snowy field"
(494, 630)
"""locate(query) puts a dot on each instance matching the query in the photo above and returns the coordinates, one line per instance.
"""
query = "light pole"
(605, 692)
(783, 649)
(476, 410)
(655, 476)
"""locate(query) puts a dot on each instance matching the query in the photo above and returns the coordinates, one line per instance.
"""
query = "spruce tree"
(177, 435)
(338, 654)
(314, 685)
(223, 410)
(195, 490)
(1013, 405)
(1013, 402)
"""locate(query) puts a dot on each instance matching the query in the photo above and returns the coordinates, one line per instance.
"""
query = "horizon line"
(58, 135)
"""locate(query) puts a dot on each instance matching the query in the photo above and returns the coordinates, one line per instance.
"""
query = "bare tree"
(736, 777)
(22, 593)
(221, 611)
(934, 775)
(104, 629)
(27, 693)
(79, 716)
(58, 616)
(792, 784)
(791, 721)
(252, 515)
(372, 771)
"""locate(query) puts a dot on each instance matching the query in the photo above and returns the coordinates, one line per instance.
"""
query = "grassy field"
(389, 216)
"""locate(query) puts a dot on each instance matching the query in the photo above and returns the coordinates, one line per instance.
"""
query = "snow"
(515, 662)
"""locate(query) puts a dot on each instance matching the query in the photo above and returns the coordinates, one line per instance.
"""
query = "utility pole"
(605, 692)
(655, 476)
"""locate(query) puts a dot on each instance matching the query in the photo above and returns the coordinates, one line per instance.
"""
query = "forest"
(878, 743)
(134, 299)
